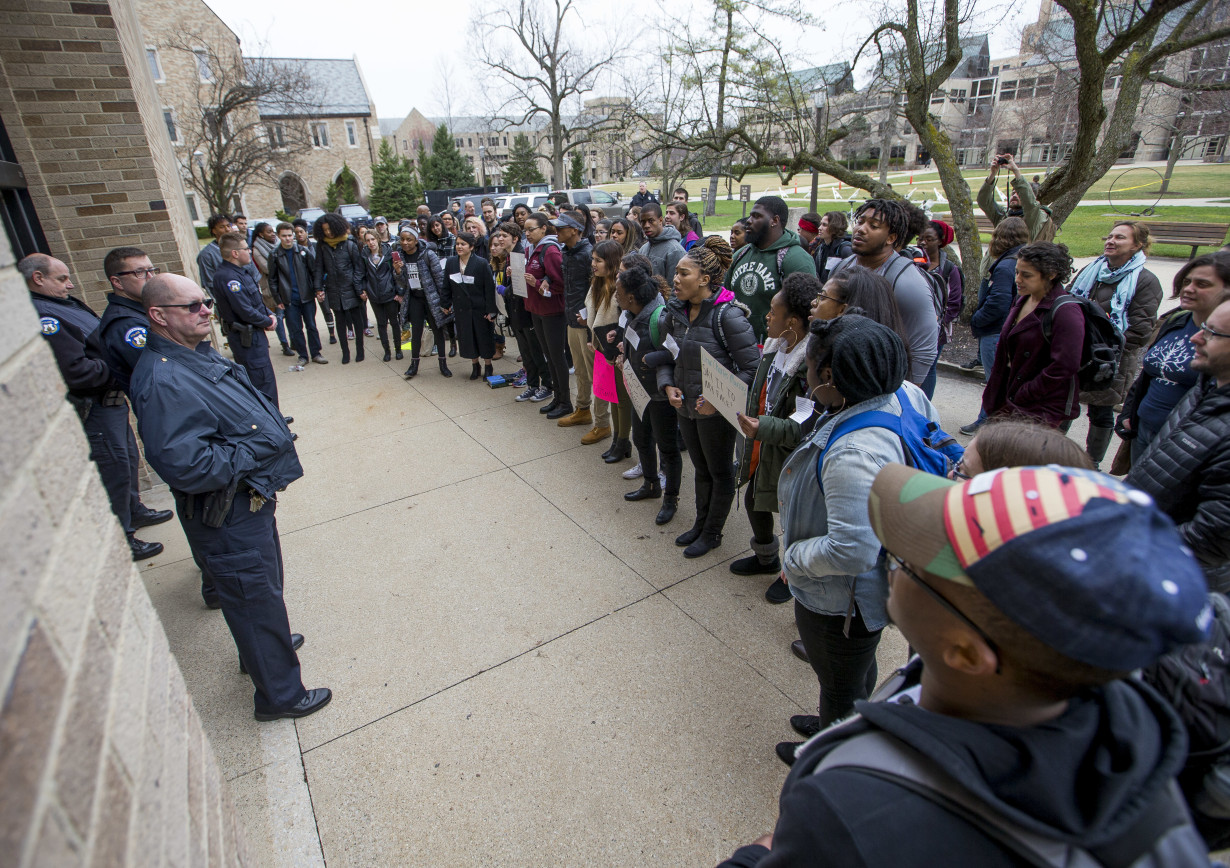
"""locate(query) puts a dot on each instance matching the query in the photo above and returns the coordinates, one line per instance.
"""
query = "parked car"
(598, 198)
(356, 216)
(504, 204)
(311, 215)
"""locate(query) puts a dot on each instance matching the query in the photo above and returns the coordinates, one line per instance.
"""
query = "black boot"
(452, 348)
(670, 503)
(332, 334)
(620, 450)
(647, 491)
(689, 536)
(702, 545)
(397, 354)
(475, 372)
(611, 448)
(1098, 442)
(286, 350)
(487, 370)
(444, 367)
(388, 356)
(413, 370)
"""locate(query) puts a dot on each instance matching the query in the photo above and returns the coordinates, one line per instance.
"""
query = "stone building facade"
(102, 755)
(340, 128)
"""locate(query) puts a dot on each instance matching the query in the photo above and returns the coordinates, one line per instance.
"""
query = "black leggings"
(845, 666)
(659, 425)
(711, 446)
(760, 520)
(418, 312)
(386, 319)
(536, 371)
(552, 334)
(355, 318)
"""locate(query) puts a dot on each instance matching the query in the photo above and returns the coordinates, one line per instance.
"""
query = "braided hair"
(894, 213)
(713, 255)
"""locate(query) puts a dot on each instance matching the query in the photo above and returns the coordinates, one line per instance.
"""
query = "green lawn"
(1084, 230)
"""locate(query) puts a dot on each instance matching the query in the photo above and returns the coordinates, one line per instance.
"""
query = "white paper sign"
(670, 344)
(583, 314)
(516, 272)
(722, 388)
(632, 338)
(623, 319)
(640, 398)
(803, 409)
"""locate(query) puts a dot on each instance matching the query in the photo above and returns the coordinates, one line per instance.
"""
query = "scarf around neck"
(1124, 279)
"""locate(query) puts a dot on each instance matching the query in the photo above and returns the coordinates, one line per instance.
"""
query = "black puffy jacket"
(578, 270)
(340, 272)
(738, 350)
(381, 286)
(1186, 470)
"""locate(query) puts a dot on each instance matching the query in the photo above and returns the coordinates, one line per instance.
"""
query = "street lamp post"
(482, 163)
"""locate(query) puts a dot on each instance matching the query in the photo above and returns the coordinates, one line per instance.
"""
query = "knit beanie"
(868, 359)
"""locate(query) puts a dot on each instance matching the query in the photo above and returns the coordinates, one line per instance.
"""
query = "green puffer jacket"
(778, 434)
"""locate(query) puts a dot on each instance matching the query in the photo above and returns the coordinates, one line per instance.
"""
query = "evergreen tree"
(446, 168)
(522, 166)
(330, 203)
(346, 186)
(576, 170)
(395, 189)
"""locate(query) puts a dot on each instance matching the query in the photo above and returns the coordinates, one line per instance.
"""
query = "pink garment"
(604, 380)
(724, 295)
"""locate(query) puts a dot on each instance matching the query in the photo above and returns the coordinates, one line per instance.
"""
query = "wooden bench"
(985, 226)
(1193, 235)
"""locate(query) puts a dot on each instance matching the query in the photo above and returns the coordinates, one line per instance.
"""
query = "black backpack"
(1103, 347)
(1195, 680)
(936, 282)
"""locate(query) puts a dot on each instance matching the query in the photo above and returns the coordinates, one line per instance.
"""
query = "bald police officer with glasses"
(225, 451)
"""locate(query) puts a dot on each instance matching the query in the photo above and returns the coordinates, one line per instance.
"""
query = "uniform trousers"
(255, 360)
(113, 447)
(243, 559)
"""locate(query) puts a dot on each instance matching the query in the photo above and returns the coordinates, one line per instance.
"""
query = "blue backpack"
(927, 446)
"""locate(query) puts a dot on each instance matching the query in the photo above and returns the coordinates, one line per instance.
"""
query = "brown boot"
(579, 416)
(595, 435)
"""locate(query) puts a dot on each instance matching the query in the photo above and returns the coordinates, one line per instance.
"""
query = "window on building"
(277, 135)
(506, 141)
(937, 98)
(1213, 146)
(493, 141)
(1007, 90)
(352, 137)
(192, 212)
(320, 135)
(212, 127)
(469, 142)
(1046, 84)
(202, 65)
(897, 152)
(460, 143)
(958, 95)
(155, 66)
(168, 118)
(405, 145)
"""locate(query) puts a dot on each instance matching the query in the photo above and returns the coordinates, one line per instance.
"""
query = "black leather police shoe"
(316, 699)
(785, 751)
(142, 550)
(296, 642)
(151, 517)
(288, 419)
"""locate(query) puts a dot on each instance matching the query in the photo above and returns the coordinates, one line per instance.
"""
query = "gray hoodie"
(664, 252)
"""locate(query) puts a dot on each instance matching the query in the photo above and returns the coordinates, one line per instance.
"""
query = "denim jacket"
(830, 550)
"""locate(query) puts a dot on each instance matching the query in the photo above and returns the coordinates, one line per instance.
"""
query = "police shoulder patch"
(135, 337)
(50, 324)
(234, 286)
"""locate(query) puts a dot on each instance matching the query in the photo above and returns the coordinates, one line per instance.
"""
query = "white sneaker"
(634, 472)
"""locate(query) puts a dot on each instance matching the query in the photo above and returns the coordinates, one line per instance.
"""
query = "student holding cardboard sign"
(704, 317)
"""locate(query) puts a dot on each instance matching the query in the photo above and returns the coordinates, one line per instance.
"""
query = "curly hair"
(838, 224)
(638, 284)
(893, 213)
(713, 255)
(1049, 258)
(1009, 232)
(338, 227)
(798, 291)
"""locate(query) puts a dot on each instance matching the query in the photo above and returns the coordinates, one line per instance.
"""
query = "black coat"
(341, 274)
(381, 287)
(471, 300)
(1186, 470)
(578, 270)
(741, 353)
(303, 260)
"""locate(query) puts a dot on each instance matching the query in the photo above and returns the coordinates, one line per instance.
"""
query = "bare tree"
(535, 48)
(250, 115)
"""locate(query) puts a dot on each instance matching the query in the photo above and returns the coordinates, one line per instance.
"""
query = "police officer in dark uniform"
(71, 329)
(223, 448)
(243, 313)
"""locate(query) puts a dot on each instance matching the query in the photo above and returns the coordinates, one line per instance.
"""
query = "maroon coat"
(546, 261)
(1030, 378)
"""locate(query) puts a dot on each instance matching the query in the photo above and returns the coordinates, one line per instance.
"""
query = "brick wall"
(102, 756)
(78, 103)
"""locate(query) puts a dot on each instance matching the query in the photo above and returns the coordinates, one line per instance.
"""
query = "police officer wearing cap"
(71, 329)
(223, 448)
(243, 313)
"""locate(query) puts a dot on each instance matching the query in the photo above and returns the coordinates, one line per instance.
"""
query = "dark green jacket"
(778, 433)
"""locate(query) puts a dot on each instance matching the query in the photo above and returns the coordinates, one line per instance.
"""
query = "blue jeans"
(928, 383)
(986, 355)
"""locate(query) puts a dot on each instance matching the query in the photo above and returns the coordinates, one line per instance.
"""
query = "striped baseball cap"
(1082, 561)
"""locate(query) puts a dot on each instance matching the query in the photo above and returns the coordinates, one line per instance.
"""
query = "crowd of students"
(824, 327)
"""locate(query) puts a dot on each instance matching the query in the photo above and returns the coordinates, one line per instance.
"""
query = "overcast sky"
(402, 45)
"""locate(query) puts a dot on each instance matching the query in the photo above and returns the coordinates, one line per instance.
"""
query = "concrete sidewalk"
(525, 669)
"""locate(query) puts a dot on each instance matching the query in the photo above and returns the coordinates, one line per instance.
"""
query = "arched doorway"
(294, 194)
